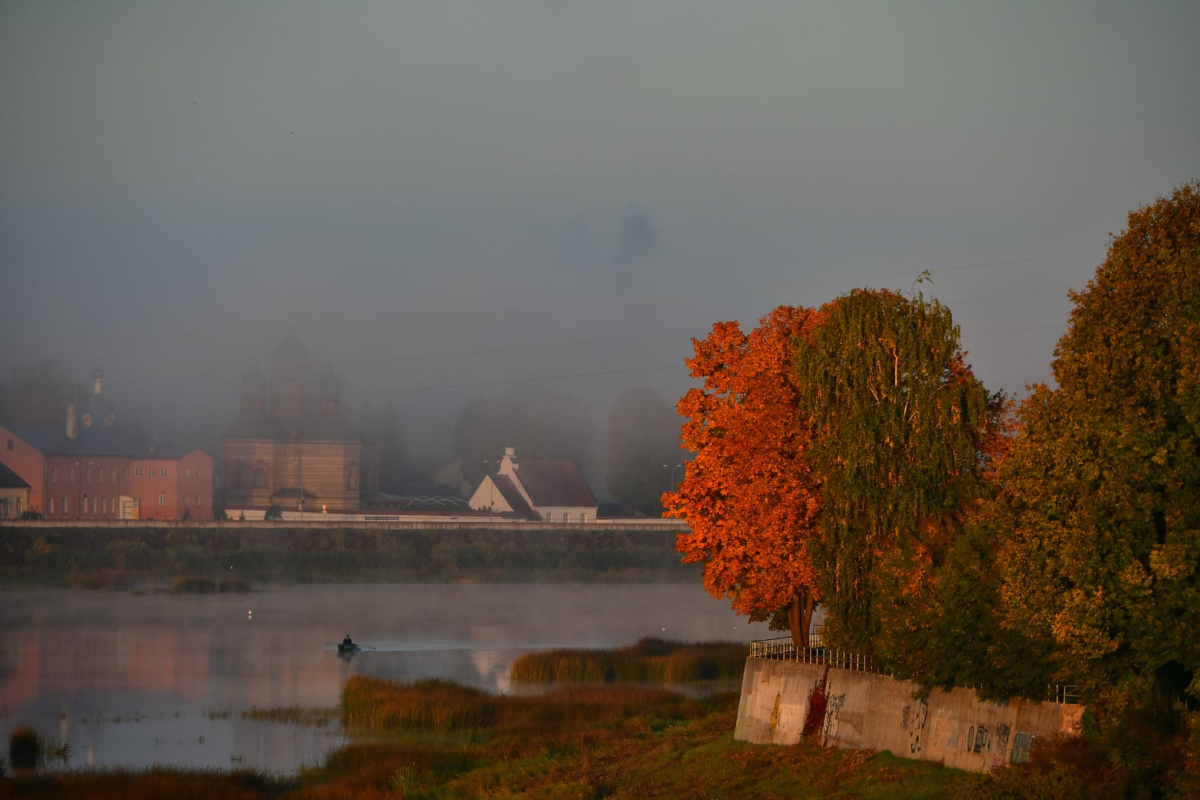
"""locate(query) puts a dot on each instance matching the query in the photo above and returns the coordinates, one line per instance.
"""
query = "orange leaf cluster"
(749, 495)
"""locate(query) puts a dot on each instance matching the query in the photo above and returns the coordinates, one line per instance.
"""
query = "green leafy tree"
(643, 450)
(901, 437)
(1102, 488)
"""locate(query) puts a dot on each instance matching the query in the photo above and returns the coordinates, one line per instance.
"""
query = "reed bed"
(648, 661)
(192, 585)
(436, 706)
(293, 715)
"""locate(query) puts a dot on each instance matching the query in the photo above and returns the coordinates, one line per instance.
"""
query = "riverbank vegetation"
(434, 739)
(647, 661)
(119, 558)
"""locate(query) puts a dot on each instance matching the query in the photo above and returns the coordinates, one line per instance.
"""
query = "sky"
(452, 200)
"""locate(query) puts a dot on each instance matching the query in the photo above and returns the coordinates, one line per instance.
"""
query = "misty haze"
(639, 398)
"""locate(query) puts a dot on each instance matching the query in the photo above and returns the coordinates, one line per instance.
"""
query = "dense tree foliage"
(839, 452)
(749, 495)
(540, 424)
(900, 429)
(643, 450)
(1102, 488)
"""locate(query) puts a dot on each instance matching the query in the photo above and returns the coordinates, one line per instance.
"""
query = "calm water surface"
(140, 679)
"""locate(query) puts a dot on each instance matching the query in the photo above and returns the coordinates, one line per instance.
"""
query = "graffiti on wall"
(912, 719)
(833, 710)
(1022, 744)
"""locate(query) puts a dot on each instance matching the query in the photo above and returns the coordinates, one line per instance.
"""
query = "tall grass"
(437, 706)
(648, 661)
(194, 585)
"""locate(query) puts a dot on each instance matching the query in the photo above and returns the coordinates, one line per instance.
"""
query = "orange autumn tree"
(749, 495)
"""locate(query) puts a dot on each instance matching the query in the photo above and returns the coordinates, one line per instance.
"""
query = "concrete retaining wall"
(875, 712)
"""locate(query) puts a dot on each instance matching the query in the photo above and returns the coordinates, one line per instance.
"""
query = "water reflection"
(135, 680)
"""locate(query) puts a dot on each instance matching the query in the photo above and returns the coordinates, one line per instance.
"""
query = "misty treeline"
(847, 457)
(642, 452)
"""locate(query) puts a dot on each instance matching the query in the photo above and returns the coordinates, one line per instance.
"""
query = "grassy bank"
(650, 660)
(107, 558)
(434, 739)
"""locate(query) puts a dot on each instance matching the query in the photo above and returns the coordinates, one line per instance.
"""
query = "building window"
(162, 498)
(71, 475)
(137, 472)
(113, 474)
(237, 478)
(260, 478)
(125, 475)
(66, 506)
(349, 479)
(197, 472)
(198, 500)
(50, 510)
(162, 473)
(187, 472)
(101, 476)
(87, 475)
(54, 474)
(185, 500)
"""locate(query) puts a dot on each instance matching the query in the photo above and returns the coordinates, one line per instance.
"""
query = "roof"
(551, 482)
(10, 479)
(100, 441)
(508, 490)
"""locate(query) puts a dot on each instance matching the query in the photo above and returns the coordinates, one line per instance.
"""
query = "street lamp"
(671, 471)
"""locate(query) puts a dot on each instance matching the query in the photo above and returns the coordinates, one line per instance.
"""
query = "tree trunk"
(800, 617)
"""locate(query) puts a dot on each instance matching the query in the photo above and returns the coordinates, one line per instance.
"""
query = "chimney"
(508, 464)
(71, 420)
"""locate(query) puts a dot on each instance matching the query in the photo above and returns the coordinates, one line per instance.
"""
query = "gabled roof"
(512, 495)
(10, 479)
(551, 482)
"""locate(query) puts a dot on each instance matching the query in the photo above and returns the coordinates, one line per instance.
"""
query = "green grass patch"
(648, 661)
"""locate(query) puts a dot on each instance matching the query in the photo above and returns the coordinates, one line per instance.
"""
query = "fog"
(451, 200)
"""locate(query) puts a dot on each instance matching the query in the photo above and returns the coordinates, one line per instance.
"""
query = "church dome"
(290, 358)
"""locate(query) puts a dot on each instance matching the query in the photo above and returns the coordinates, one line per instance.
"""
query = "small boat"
(348, 649)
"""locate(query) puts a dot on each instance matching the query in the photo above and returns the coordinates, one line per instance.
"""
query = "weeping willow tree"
(901, 439)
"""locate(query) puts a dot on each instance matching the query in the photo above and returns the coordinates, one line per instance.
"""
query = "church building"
(281, 451)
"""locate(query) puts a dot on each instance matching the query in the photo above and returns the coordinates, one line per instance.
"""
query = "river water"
(135, 679)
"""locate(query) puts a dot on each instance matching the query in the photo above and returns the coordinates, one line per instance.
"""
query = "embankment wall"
(875, 712)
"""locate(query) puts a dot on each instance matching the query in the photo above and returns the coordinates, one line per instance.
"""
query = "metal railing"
(784, 649)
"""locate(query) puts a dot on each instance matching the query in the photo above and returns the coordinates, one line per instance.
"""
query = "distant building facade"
(281, 451)
(550, 490)
(89, 468)
(14, 494)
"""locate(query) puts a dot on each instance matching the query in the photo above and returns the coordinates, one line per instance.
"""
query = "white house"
(547, 489)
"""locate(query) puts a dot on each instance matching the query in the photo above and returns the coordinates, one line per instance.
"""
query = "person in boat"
(346, 643)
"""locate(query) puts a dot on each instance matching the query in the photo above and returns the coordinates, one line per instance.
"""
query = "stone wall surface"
(875, 712)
